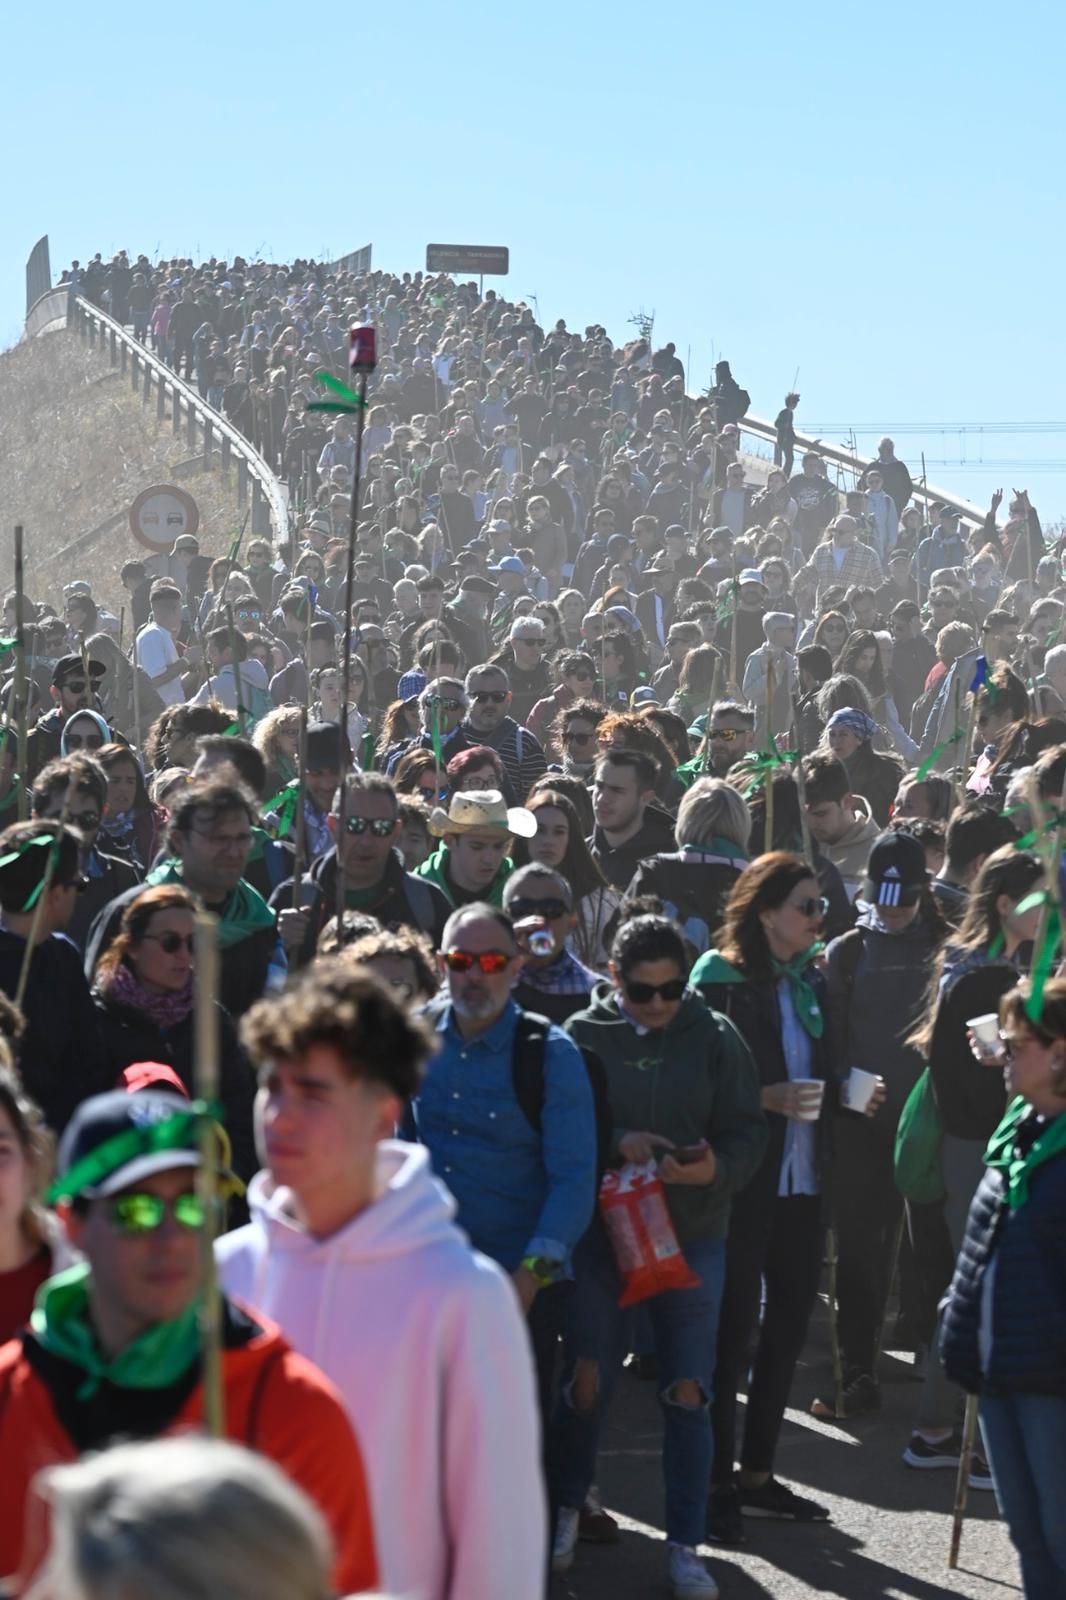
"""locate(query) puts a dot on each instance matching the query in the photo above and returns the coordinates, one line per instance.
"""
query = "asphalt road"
(890, 1529)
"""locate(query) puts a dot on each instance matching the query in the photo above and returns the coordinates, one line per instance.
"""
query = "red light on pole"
(363, 348)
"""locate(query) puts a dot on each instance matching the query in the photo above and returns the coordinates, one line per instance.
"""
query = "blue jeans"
(1025, 1436)
(684, 1325)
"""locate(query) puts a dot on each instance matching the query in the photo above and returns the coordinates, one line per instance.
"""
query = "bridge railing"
(48, 313)
(204, 427)
(849, 462)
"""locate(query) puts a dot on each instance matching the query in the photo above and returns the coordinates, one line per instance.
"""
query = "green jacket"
(693, 1080)
(433, 869)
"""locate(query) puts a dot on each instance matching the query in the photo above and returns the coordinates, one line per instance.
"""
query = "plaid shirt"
(565, 975)
(860, 565)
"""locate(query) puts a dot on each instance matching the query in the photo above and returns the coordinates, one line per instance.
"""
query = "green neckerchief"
(713, 967)
(802, 990)
(717, 846)
(363, 899)
(155, 1359)
(244, 913)
(1019, 1167)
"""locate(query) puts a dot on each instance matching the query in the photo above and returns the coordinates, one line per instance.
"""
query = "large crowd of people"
(677, 881)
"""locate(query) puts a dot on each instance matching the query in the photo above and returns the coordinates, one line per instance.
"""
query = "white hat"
(481, 808)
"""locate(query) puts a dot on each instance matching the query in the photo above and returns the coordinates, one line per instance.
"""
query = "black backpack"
(527, 1077)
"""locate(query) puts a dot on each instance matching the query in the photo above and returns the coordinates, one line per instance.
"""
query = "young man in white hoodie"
(352, 1250)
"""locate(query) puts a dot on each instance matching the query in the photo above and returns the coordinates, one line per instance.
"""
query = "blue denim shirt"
(518, 1192)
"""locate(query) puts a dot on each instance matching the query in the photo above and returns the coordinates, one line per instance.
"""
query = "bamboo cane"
(834, 1328)
(207, 1081)
(301, 799)
(346, 672)
(768, 829)
(962, 1480)
(801, 781)
(20, 680)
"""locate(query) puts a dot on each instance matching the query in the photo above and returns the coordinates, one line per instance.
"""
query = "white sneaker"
(689, 1578)
(566, 1530)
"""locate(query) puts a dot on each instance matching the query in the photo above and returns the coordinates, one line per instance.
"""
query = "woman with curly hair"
(277, 738)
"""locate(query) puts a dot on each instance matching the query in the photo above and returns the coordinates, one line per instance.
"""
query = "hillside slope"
(76, 447)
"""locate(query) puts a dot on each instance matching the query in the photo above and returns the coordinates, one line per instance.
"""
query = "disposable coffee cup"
(812, 1091)
(859, 1088)
(985, 1029)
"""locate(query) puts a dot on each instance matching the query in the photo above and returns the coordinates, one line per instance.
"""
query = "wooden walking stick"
(768, 827)
(207, 1081)
(834, 1328)
(801, 779)
(362, 359)
(962, 1481)
(241, 713)
(301, 794)
(20, 680)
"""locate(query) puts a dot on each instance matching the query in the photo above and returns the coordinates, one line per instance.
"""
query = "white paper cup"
(986, 1028)
(812, 1092)
(859, 1088)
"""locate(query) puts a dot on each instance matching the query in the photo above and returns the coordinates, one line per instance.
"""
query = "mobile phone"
(688, 1153)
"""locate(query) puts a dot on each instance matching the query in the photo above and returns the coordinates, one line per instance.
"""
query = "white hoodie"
(424, 1339)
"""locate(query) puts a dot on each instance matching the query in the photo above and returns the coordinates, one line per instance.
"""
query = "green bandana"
(717, 846)
(802, 990)
(155, 1359)
(712, 967)
(244, 913)
(1019, 1166)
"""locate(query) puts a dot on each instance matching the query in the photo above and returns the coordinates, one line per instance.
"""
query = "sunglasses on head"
(811, 907)
(491, 962)
(136, 1214)
(642, 994)
(380, 827)
(550, 910)
(172, 942)
(497, 696)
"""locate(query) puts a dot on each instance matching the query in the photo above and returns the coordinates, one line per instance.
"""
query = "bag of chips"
(635, 1214)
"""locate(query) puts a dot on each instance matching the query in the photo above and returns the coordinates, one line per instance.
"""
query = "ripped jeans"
(685, 1329)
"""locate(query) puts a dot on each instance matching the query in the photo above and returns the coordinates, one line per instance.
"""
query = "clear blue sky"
(872, 195)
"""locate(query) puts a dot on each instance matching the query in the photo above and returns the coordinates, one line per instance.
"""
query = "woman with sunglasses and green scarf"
(1004, 1327)
(682, 1092)
(145, 1002)
(764, 979)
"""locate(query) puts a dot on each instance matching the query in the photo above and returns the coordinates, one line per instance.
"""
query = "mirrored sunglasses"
(137, 1214)
(380, 827)
(491, 962)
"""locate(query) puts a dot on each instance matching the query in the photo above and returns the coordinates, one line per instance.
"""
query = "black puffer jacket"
(1027, 1249)
(131, 1035)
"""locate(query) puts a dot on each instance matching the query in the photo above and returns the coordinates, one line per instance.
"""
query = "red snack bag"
(635, 1214)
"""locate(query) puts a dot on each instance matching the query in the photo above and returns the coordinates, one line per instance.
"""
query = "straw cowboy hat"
(481, 808)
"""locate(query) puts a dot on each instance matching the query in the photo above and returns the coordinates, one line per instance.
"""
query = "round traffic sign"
(160, 514)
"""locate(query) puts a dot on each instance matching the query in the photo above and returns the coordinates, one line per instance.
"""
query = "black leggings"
(776, 1241)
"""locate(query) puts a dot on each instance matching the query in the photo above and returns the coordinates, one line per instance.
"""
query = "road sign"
(484, 260)
(160, 514)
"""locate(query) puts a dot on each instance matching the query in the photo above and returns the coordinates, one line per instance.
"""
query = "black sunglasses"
(497, 696)
(171, 943)
(642, 993)
(811, 907)
(91, 741)
(550, 910)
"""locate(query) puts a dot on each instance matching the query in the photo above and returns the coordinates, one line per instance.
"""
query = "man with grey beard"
(522, 1170)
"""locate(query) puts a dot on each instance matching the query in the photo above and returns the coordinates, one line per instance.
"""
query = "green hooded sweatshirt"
(692, 1080)
(434, 866)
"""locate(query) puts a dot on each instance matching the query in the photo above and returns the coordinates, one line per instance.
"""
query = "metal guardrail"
(765, 431)
(269, 503)
(48, 313)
